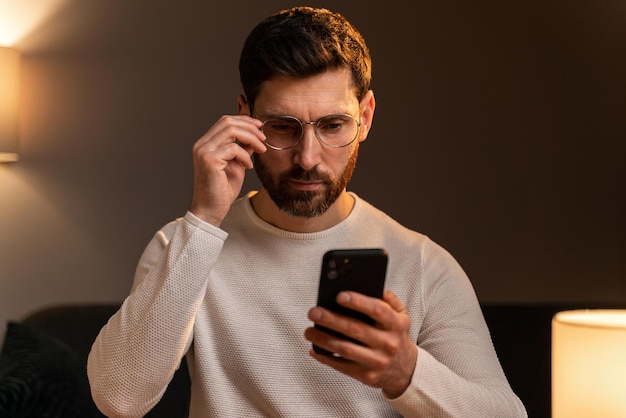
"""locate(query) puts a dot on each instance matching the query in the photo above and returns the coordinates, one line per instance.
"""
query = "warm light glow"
(9, 103)
(589, 364)
(17, 19)
(20, 17)
(9, 157)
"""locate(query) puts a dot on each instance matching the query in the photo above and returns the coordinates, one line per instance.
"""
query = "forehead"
(329, 92)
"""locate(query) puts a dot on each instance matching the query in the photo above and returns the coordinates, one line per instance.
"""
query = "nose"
(308, 151)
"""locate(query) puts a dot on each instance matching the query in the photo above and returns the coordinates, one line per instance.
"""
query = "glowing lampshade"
(589, 364)
(9, 104)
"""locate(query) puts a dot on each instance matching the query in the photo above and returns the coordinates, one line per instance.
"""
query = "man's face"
(304, 181)
(304, 203)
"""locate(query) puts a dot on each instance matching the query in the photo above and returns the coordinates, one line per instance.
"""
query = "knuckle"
(371, 378)
(379, 308)
(391, 346)
(230, 130)
(381, 363)
(355, 330)
(226, 118)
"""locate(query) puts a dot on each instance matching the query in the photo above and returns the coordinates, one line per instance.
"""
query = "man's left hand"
(387, 357)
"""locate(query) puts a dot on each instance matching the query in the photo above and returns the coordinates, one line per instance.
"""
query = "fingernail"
(343, 297)
(315, 314)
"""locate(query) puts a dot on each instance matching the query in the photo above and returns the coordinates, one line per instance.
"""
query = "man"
(232, 285)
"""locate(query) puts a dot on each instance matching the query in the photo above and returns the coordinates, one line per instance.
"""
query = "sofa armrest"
(75, 327)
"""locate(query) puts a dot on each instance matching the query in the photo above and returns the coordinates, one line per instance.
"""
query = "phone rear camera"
(332, 274)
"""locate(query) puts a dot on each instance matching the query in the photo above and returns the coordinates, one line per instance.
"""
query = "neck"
(266, 209)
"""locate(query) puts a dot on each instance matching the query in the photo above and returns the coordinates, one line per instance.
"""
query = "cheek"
(274, 159)
(347, 154)
(272, 163)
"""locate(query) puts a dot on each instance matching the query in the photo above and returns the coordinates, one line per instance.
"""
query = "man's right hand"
(221, 157)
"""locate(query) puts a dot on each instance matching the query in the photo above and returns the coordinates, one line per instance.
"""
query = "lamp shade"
(9, 103)
(589, 364)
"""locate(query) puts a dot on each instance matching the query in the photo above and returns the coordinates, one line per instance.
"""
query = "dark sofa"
(42, 365)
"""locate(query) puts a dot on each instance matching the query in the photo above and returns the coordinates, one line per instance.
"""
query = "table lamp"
(589, 364)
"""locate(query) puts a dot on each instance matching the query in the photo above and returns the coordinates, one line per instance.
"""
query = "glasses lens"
(282, 133)
(337, 130)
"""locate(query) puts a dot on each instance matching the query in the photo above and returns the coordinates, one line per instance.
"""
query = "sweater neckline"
(269, 228)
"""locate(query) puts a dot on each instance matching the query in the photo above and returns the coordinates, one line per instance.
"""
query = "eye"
(333, 124)
(281, 127)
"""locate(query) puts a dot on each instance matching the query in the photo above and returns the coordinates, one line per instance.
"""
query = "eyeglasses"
(335, 131)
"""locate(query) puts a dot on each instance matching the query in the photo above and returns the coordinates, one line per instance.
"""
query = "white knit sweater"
(235, 301)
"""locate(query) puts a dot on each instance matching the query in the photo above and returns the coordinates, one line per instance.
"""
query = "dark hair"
(301, 42)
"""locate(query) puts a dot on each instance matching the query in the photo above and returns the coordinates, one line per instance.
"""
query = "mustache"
(298, 173)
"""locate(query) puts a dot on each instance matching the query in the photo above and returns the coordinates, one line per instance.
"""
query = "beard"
(305, 204)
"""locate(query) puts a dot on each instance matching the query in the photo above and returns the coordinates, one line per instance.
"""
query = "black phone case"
(359, 270)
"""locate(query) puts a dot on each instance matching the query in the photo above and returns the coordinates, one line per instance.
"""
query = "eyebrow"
(272, 115)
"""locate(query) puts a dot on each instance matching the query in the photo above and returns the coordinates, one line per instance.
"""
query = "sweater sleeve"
(457, 373)
(137, 352)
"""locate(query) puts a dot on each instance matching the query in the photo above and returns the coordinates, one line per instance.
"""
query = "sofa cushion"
(77, 326)
(42, 377)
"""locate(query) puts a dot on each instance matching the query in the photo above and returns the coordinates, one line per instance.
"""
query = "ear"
(367, 106)
(242, 105)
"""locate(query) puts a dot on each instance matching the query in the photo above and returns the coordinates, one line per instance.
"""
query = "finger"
(250, 150)
(357, 363)
(346, 367)
(341, 347)
(217, 158)
(221, 158)
(236, 153)
(337, 363)
(246, 136)
(379, 310)
(350, 327)
(232, 129)
(394, 301)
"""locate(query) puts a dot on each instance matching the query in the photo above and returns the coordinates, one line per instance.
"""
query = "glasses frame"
(315, 129)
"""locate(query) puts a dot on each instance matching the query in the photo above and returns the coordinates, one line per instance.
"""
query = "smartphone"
(359, 270)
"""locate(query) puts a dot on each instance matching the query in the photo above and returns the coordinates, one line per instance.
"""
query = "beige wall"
(499, 133)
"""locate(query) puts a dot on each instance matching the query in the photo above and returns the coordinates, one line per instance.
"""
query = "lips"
(306, 185)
